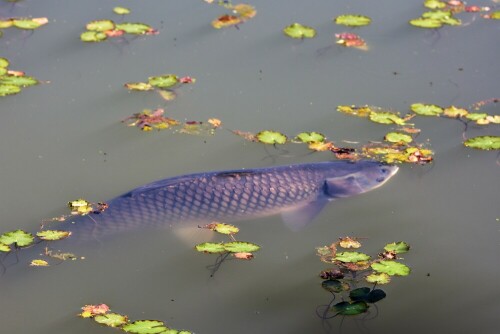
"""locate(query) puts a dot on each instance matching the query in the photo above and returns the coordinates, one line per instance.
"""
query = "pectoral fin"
(297, 218)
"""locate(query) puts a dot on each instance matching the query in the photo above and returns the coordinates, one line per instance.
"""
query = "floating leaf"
(321, 146)
(6, 23)
(426, 109)
(476, 116)
(145, 327)
(397, 247)
(121, 10)
(241, 247)
(210, 247)
(482, 143)
(297, 30)
(18, 237)
(93, 36)
(243, 256)
(453, 111)
(93, 310)
(386, 118)
(426, 23)
(353, 20)
(351, 40)
(381, 278)
(495, 15)
(397, 137)
(351, 257)
(164, 81)
(147, 120)
(334, 285)
(4, 62)
(223, 228)
(434, 4)
(100, 25)
(53, 235)
(248, 136)
(29, 24)
(167, 95)
(346, 308)
(9, 89)
(391, 268)
(364, 111)
(111, 319)
(348, 242)
(21, 81)
(135, 28)
(4, 248)
(310, 137)
(443, 16)
(226, 21)
(271, 137)
(244, 10)
(39, 263)
(141, 86)
(367, 295)
(80, 207)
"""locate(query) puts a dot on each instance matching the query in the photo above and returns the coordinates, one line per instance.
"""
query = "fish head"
(358, 178)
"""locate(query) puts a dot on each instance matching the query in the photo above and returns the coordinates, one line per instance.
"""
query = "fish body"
(298, 192)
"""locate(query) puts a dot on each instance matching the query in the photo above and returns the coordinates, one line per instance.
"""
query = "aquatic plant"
(297, 30)
(240, 13)
(12, 82)
(352, 20)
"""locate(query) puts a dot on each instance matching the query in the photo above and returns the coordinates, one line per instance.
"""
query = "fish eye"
(384, 170)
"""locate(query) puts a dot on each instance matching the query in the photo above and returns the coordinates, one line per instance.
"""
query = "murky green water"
(63, 140)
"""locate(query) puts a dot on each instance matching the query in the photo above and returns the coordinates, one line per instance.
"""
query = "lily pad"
(241, 247)
(245, 11)
(353, 20)
(351, 257)
(391, 268)
(134, 28)
(9, 89)
(495, 15)
(334, 285)
(399, 138)
(145, 327)
(482, 143)
(426, 23)
(346, 308)
(398, 247)
(367, 295)
(51, 235)
(28, 24)
(111, 319)
(210, 247)
(348, 242)
(455, 112)
(100, 25)
(381, 278)
(164, 81)
(226, 21)
(297, 30)
(434, 4)
(6, 23)
(141, 86)
(21, 81)
(93, 36)
(39, 263)
(223, 228)
(386, 118)
(363, 111)
(18, 237)
(4, 248)
(476, 116)
(4, 62)
(426, 109)
(271, 137)
(121, 10)
(310, 137)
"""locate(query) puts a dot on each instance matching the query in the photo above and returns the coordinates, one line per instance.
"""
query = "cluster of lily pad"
(240, 13)
(351, 268)
(11, 82)
(165, 85)
(102, 315)
(22, 23)
(442, 13)
(101, 30)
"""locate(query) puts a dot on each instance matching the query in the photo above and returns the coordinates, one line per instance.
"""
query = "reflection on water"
(63, 140)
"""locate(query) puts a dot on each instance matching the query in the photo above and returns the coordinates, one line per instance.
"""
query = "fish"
(298, 192)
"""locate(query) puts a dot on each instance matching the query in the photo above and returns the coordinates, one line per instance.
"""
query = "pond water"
(63, 140)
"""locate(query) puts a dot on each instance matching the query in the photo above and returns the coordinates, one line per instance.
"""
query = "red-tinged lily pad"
(100, 25)
(226, 21)
(271, 137)
(145, 327)
(481, 143)
(351, 20)
(89, 311)
(9, 89)
(93, 36)
(321, 146)
(148, 120)
(52, 235)
(426, 109)
(351, 40)
(19, 238)
(111, 319)
(248, 136)
(297, 30)
(243, 256)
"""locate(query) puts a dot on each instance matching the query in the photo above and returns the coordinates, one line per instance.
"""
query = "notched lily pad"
(348, 242)
(351, 257)
(210, 247)
(241, 247)
(18, 80)
(380, 278)
(4, 248)
(93, 36)
(391, 268)
(398, 247)
(484, 142)
(145, 327)
(100, 25)
(9, 89)
(334, 285)
(352, 20)
(426, 109)
(163, 81)
(367, 295)
(346, 308)
(386, 117)
(297, 30)
(111, 319)
(455, 112)
(310, 137)
(18, 237)
(223, 228)
(271, 137)
(52, 235)
(398, 138)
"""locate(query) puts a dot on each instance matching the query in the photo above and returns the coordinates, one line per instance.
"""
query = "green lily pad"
(241, 247)
(381, 278)
(346, 308)
(21, 81)
(4, 62)
(310, 137)
(426, 23)
(452, 21)
(386, 118)
(93, 36)
(27, 24)
(271, 137)
(9, 89)
(334, 285)
(145, 327)
(100, 25)
(495, 15)
(134, 28)
(351, 257)
(434, 4)
(426, 109)
(475, 116)
(18, 237)
(39, 263)
(164, 81)
(484, 142)
(141, 86)
(391, 268)
(6, 24)
(3, 71)
(397, 137)
(397, 247)
(297, 30)
(453, 111)
(4, 248)
(111, 319)
(353, 20)
(51, 235)
(439, 15)
(367, 295)
(121, 10)
(210, 247)
(224, 228)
